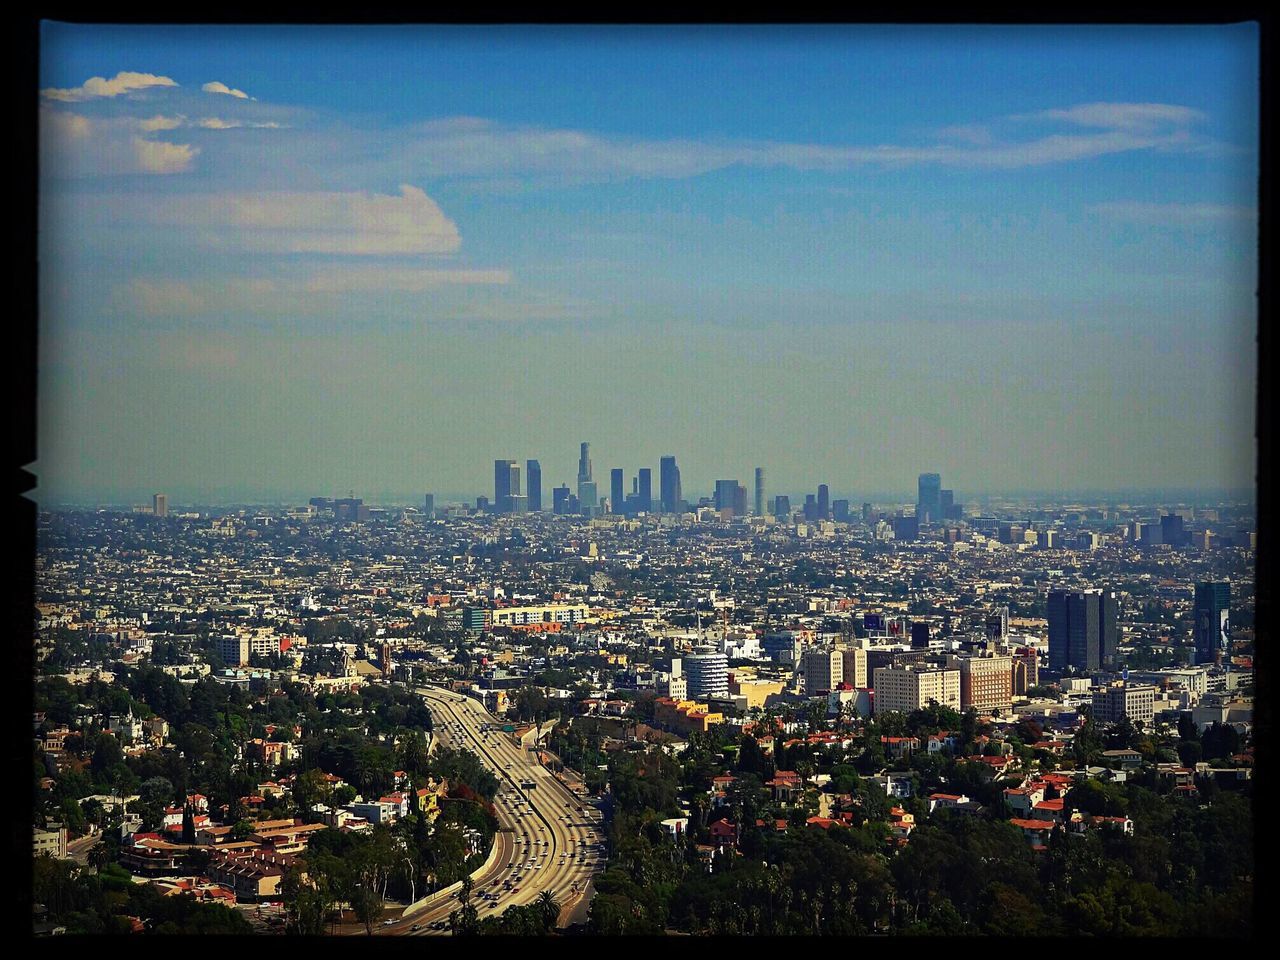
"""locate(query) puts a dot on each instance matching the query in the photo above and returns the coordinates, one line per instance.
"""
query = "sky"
(283, 262)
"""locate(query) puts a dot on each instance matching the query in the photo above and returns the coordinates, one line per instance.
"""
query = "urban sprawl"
(635, 712)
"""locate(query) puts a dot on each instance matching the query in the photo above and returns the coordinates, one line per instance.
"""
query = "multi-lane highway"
(550, 836)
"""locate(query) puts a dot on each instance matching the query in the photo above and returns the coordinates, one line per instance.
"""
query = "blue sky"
(279, 261)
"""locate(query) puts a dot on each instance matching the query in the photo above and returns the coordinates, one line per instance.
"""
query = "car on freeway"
(416, 926)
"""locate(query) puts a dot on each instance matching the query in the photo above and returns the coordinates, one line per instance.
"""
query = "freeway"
(550, 836)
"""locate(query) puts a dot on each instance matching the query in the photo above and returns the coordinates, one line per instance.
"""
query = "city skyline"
(1023, 257)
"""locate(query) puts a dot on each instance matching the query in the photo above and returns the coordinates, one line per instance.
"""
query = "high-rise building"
(997, 623)
(645, 491)
(810, 508)
(587, 497)
(1120, 700)
(866, 513)
(759, 504)
(560, 500)
(726, 493)
(1172, 530)
(947, 505)
(906, 528)
(823, 671)
(669, 484)
(840, 510)
(909, 687)
(506, 484)
(986, 682)
(533, 480)
(920, 635)
(1084, 629)
(707, 674)
(429, 506)
(616, 501)
(1212, 622)
(160, 505)
(782, 507)
(824, 502)
(740, 501)
(929, 499)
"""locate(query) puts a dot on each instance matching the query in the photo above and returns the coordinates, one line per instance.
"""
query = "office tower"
(588, 499)
(947, 505)
(920, 636)
(559, 500)
(616, 500)
(707, 674)
(997, 624)
(906, 528)
(645, 492)
(1211, 621)
(533, 481)
(160, 505)
(866, 513)
(482, 504)
(726, 493)
(740, 501)
(759, 492)
(840, 510)
(824, 502)
(573, 505)
(1084, 629)
(810, 508)
(1172, 530)
(506, 483)
(782, 507)
(429, 505)
(669, 484)
(855, 666)
(1152, 534)
(929, 499)
(823, 671)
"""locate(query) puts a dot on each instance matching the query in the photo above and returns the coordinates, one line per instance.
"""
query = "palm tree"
(549, 906)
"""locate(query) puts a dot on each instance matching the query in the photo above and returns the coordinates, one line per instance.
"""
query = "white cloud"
(214, 123)
(470, 146)
(123, 82)
(1144, 117)
(159, 156)
(161, 123)
(216, 86)
(358, 224)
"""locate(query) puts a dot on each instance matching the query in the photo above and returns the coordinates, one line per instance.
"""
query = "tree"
(549, 908)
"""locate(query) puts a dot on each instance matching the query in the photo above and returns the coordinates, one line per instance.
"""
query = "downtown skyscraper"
(587, 497)
(929, 498)
(669, 485)
(759, 504)
(1211, 621)
(533, 481)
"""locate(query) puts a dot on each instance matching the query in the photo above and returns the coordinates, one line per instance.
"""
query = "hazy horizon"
(321, 260)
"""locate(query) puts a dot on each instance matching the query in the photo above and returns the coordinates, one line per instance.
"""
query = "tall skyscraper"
(824, 502)
(929, 498)
(1212, 622)
(726, 493)
(587, 497)
(810, 508)
(840, 510)
(560, 500)
(947, 505)
(533, 480)
(740, 501)
(645, 492)
(669, 484)
(616, 496)
(429, 505)
(759, 492)
(506, 483)
(1172, 530)
(160, 505)
(782, 507)
(1084, 629)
